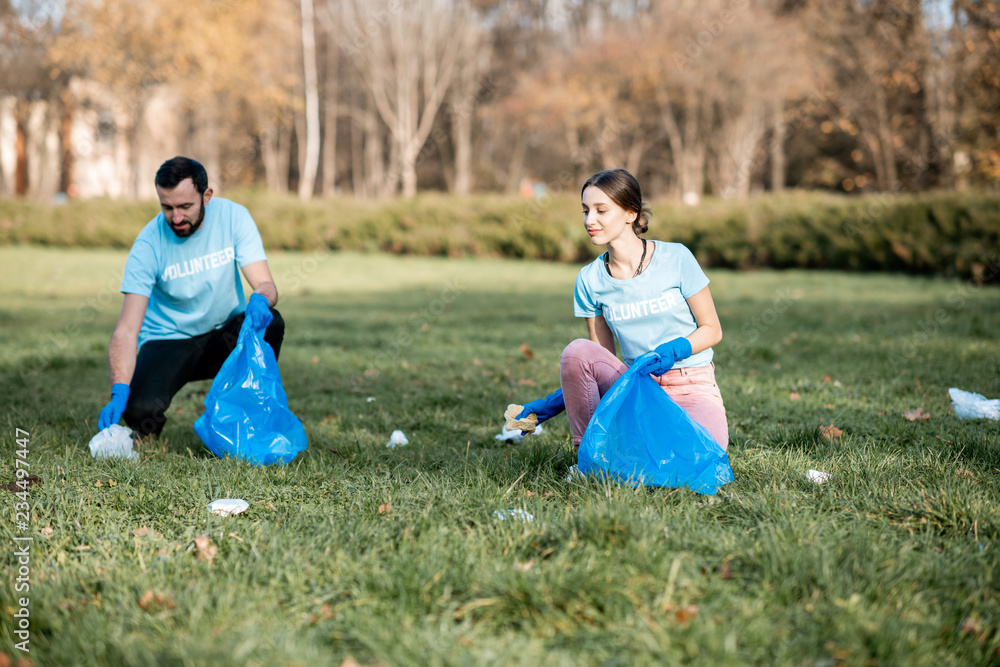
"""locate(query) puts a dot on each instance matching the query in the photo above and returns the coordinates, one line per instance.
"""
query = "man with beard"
(184, 302)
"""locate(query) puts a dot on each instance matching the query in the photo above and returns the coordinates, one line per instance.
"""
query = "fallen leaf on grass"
(526, 351)
(914, 415)
(384, 508)
(206, 550)
(349, 661)
(964, 473)
(314, 360)
(47, 530)
(153, 602)
(684, 614)
(794, 396)
(971, 626)
(526, 382)
(523, 567)
(831, 432)
(827, 379)
(25, 484)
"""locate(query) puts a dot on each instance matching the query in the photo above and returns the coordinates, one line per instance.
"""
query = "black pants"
(162, 367)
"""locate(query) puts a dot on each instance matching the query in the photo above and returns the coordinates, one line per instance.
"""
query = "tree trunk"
(358, 176)
(462, 136)
(374, 157)
(330, 117)
(693, 154)
(278, 142)
(66, 145)
(408, 164)
(675, 141)
(634, 155)
(737, 152)
(21, 149)
(778, 130)
(516, 169)
(886, 140)
(269, 153)
(310, 157)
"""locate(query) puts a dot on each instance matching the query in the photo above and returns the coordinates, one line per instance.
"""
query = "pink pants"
(587, 370)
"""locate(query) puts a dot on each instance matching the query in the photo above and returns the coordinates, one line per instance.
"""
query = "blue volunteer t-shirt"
(651, 308)
(193, 283)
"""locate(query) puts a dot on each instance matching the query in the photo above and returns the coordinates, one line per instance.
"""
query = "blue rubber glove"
(114, 410)
(666, 355)
(259, 311)
(545, 408)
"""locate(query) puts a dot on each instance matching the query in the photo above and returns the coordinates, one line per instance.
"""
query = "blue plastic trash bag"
(638, 435)
(246, 411)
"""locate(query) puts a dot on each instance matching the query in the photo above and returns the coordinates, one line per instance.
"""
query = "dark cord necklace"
(638, 269)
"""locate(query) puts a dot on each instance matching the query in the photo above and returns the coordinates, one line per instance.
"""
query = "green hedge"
(946, 233)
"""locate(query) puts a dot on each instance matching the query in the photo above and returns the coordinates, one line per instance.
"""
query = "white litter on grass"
(370, 399)
(397, 439)
(973, 406)
(575, 475)
(113, 442)
(515, 434)
(818, 476)
(519, 515)
(227, 506)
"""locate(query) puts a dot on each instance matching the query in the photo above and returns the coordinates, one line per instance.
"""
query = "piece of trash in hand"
(818, 476)
(527, 424)
(227, 506)
(113, 442)
(516, 434)
(969, 405)
(518, 515)
(397, 439)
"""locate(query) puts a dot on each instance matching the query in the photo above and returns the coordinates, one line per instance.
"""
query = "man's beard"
(195, 226)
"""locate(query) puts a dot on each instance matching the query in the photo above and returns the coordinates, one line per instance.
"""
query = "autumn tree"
(976, 30)
(408, 55)
(26, 29)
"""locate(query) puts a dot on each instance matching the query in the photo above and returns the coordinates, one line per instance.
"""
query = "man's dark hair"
(176, 169)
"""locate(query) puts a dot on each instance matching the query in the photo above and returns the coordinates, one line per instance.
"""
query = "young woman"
(649, 295)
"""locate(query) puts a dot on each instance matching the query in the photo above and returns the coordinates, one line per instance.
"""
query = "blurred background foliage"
(719, 98)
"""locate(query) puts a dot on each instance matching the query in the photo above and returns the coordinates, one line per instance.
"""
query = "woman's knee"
(580, 350)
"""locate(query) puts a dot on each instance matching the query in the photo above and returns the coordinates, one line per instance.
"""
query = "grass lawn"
(394, 557)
